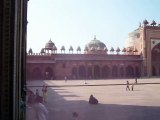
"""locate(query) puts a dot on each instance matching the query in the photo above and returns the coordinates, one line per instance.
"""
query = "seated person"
(93, 100)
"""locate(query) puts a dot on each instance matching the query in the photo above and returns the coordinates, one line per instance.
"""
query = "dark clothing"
(136, 81)
(127, 87)
(93, 100)
(132, 87)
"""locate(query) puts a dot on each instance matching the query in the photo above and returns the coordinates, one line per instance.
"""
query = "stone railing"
(109, 53)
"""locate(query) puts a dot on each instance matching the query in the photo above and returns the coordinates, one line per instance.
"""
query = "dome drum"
(95, 47)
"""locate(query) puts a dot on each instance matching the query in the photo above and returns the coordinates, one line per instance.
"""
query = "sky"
(76, 22)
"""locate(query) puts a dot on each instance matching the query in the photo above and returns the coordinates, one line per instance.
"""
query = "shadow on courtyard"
(62, 109)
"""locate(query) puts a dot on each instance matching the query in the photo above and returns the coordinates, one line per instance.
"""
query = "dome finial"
(94, 37)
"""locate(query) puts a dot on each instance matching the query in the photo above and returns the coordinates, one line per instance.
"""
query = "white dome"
(132, 38)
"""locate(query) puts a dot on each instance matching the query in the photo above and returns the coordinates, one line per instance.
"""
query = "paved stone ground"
(115, 103)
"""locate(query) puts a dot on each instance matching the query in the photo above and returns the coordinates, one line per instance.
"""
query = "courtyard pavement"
(115, 103)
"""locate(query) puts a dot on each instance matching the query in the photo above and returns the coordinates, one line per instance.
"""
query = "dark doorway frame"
(13, 32)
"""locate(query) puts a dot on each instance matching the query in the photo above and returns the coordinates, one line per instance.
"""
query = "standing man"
(37, 93)
(44, 93)
(136, 80)
(132, 87)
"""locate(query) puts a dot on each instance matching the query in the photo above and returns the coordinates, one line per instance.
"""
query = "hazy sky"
(75, 22)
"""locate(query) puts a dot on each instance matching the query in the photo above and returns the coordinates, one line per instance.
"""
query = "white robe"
(41, 111)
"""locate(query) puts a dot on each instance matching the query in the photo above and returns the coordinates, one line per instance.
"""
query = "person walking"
(132, 86)
(37, 93)
(44, 93)
(136, 80)
(127, 87)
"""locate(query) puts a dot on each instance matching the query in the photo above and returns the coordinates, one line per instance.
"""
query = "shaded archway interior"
(156, 60)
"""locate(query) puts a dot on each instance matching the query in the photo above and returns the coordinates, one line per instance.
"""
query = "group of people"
(93, 100)
(36, 101)
(43, 97)
(132, 85)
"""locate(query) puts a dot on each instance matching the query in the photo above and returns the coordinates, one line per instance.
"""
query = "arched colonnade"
(106, 71)
(86, 72)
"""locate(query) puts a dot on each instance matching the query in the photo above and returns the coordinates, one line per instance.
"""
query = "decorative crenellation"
(112, 51)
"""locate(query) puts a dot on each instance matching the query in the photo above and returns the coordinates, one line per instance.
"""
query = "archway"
(36, 74)
(155, 53)
(121, 72)
(74, 73)
(106, 72)
(96, 72)
(114, 71)
(49, 74)
(130, 71)
(82, 72)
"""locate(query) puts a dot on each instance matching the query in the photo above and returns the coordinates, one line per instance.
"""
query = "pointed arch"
(155, 60)
(129, 71)
(49, 74)
(82, 72)
(74, 73)
(114, 71)
(122, 72)
(106, 71)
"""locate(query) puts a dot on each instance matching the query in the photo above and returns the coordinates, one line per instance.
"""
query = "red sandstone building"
(140, 58)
